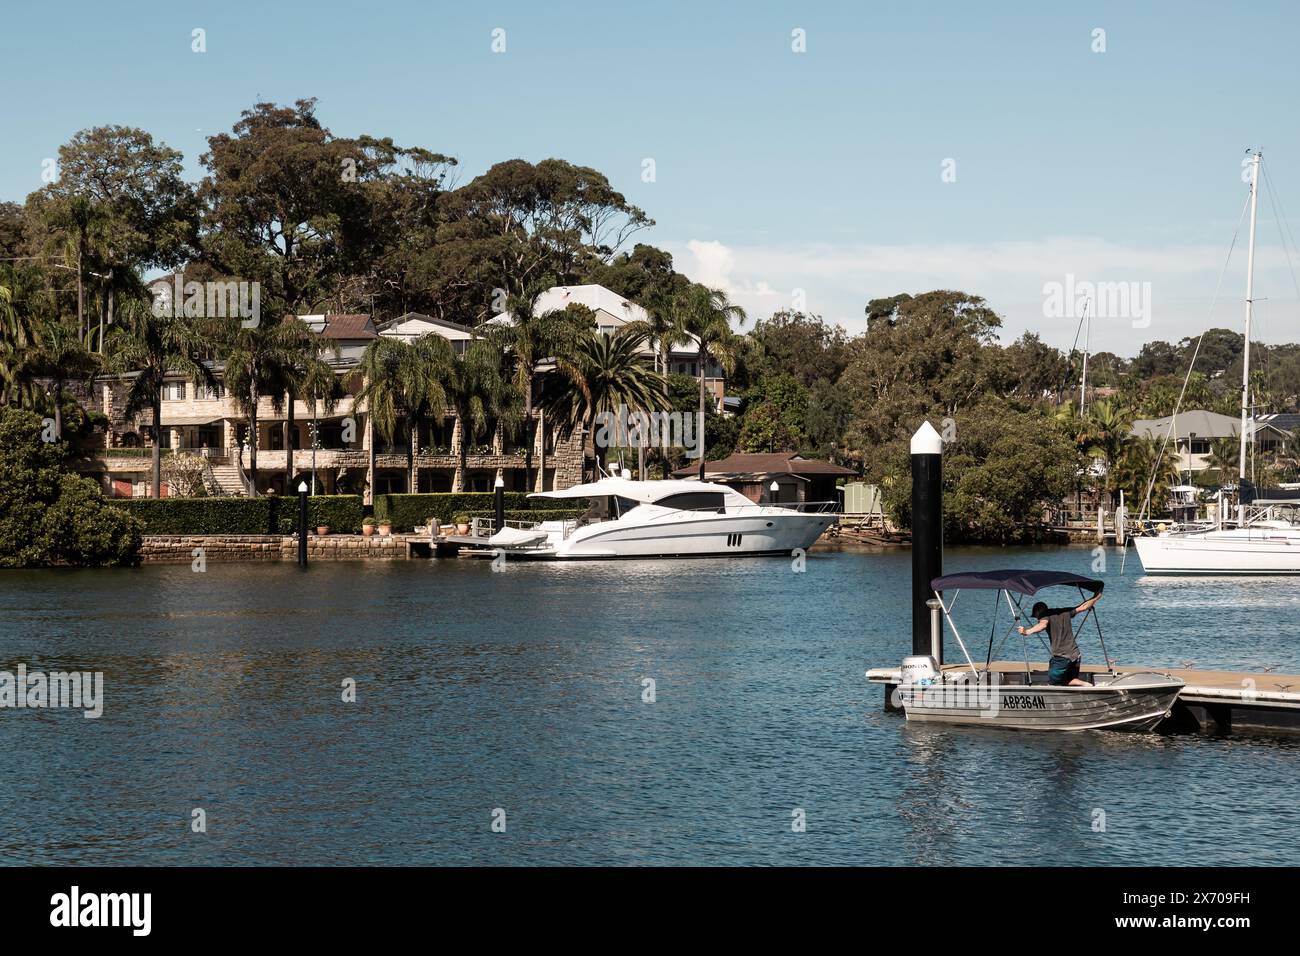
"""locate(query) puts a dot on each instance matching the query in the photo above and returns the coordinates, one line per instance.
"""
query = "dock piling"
(927, 533)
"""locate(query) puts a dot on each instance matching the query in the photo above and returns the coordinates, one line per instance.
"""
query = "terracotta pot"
(367, 529)
(462, 529)
(323, 530)
(385, 529)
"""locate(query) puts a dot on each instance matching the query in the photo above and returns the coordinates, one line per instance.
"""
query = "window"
(1200, 447)
(622, 505)
(174, 392)
(209, 393)
(695, 501)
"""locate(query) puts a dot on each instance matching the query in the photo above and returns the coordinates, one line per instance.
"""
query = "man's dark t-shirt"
(1061, 631)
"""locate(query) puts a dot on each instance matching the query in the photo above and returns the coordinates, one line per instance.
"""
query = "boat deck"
(1211, 699)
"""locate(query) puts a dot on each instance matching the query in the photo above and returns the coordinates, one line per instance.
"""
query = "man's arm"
(1088, 603)
(1035, 629)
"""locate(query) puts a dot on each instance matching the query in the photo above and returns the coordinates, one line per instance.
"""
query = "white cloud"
(838, 280)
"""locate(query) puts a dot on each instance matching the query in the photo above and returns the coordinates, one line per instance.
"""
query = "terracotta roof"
(349, 327)
(780, 463)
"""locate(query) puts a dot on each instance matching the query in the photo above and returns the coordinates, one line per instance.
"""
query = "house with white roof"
(613, 312)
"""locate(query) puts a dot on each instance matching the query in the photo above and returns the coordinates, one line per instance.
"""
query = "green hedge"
(341, 512)
(272, 515)
(532, 514)
(407, 511)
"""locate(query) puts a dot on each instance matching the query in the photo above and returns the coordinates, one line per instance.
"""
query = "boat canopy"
(645, 492)
(1018, 582)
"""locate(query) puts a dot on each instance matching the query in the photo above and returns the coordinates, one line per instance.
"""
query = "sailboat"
(1260, 543)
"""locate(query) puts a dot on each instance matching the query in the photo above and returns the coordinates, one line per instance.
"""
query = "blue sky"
(777, 174)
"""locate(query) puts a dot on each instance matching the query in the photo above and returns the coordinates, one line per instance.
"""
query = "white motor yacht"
(662, 519)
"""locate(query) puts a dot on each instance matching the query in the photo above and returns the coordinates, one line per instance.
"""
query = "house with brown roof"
(798, 479)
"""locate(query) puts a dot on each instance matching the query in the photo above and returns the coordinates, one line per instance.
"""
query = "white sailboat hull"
(1230, 551)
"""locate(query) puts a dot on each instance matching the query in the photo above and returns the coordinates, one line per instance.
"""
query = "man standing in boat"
(1063, 669)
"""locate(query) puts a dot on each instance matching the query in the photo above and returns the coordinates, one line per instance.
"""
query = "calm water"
(522, 690)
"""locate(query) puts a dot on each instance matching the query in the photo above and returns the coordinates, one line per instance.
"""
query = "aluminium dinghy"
(1025, 700)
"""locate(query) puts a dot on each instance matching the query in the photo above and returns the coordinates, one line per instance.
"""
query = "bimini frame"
(1013, 604)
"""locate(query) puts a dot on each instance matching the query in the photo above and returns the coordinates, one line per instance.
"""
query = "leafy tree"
(798, 345)
(51, 516)
(119, 206)
(1004, 467)
(830, 409)
(764, 430)
(643, 275)
(1033, 369)
(926, 355)
(532, 220)
(283, 206)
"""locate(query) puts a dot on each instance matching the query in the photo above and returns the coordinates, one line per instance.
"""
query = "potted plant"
(462, 523)
(368, 527)
(322, 530)
(385, 528)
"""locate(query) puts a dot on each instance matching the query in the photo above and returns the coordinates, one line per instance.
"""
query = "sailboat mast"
(1245, 365)
(1087, 344)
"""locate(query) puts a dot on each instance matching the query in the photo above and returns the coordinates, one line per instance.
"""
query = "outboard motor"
(920, 669)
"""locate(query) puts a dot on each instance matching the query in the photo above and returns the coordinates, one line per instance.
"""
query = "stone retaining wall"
(158, 548)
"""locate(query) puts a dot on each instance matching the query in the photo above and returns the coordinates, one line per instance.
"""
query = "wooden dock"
(1215, 701)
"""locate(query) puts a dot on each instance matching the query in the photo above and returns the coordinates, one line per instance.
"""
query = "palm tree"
(320, 386)
(478, 390)
(1141, 465)
(1225, 454)
(604, 373)
(404, 380)
(256, 358)
(663, 327)
(59, 357)
(706, 315)
(532, 337)
(24, 303)
(304, 373)
(149, 346)
(1107, 432)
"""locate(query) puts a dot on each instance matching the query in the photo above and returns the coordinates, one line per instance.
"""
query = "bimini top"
(1021, 582)
(645, 492)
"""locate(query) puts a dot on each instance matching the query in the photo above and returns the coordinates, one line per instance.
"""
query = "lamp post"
(302, 524)
(499, 493)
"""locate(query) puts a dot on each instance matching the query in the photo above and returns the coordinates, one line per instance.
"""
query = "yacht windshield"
(695, 501)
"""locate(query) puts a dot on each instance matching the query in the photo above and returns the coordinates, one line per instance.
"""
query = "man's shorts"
(1062, 670)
